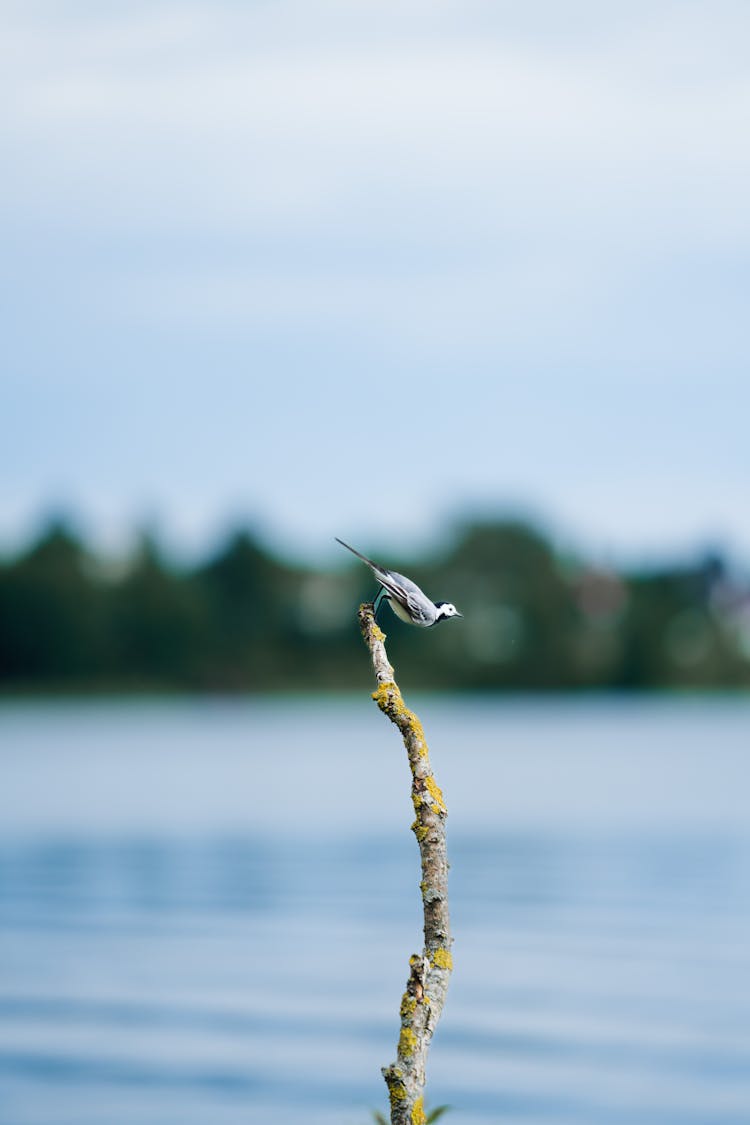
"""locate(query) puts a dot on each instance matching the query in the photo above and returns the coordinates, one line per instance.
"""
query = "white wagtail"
(404, 597)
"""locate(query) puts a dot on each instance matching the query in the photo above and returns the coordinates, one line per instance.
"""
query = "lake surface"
(207, 910)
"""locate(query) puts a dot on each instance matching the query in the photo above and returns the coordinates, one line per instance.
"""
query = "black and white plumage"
(405, 598)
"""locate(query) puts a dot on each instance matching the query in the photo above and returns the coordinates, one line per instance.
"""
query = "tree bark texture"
(429, 972)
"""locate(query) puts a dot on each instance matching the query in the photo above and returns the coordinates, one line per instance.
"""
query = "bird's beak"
(459, 614)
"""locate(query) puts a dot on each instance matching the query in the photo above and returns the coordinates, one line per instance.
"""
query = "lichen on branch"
(429, 972)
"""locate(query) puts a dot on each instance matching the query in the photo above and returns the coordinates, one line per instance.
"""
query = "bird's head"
(446, 610)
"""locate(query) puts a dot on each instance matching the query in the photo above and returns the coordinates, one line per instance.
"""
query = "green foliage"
(51, 614)
(244, 621)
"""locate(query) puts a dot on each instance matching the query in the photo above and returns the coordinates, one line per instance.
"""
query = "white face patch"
(449, 610)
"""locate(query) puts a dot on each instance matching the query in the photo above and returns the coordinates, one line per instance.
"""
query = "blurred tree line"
(244, 621)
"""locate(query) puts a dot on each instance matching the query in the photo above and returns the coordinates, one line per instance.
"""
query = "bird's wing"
(417, 604)
(394, 584)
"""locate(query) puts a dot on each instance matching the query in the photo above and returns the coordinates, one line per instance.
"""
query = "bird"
(408, 602)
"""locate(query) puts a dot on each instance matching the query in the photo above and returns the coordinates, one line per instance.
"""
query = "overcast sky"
(366, 269)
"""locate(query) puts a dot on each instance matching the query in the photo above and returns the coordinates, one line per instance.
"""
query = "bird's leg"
(377, 602)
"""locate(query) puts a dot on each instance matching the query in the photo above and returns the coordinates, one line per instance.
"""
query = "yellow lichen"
(417, 732)
(420, 831)
(434, 790)
(380, 695)
(417, 1113)
(408, 1006)
(407, 1042)
(395, 1082)
(396, 1092)
(442, 959)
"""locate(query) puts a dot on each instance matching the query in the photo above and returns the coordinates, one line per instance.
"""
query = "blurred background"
(465, 285)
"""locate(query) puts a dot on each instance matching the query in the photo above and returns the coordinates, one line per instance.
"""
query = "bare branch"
(429, 972)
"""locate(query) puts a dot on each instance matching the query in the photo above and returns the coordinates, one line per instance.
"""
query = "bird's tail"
(359, 555)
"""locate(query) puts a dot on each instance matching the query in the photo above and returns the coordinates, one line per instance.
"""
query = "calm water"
(207, 909)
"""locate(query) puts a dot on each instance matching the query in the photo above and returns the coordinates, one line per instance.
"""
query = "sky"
(376, 269)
